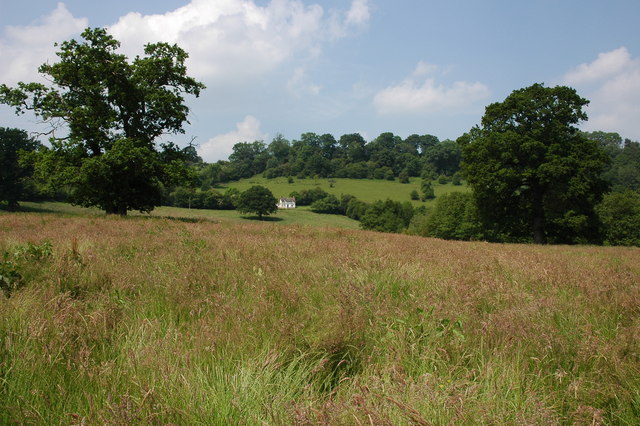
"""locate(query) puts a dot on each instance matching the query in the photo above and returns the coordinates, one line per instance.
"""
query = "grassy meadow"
(157, 320)
(368, 190)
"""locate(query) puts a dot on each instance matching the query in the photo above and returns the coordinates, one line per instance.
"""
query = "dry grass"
(156, 320)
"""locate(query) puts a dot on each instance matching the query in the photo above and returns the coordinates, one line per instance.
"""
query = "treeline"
(386, 157)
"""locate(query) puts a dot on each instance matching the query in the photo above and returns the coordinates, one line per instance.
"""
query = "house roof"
(287, 200)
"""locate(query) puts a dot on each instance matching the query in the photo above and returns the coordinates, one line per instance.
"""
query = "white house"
(287, 203)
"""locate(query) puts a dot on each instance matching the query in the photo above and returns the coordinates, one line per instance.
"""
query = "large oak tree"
(109, 103)
(533, 174)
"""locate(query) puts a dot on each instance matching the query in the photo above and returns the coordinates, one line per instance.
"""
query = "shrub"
(307, 197)
(620, 217)
(328, 204)
(387, 216)
(427, 190)
(456, 179)
(454, 217)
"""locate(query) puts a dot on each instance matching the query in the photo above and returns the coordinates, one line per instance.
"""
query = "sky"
(344, 66)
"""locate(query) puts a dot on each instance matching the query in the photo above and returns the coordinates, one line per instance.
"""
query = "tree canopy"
(107, 101)
(14, 144)
(534, 175)
(258, 200)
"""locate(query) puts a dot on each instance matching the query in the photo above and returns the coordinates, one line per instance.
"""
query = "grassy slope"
(300, 216)
(365, 189)
(158, 320)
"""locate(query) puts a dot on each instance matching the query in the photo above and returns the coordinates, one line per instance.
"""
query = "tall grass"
(159, 320)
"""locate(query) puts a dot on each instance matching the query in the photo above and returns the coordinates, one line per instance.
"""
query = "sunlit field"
(159, 320)
(368, 190)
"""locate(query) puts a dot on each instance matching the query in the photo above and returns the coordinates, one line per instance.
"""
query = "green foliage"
(620, 217)
(404, 176)
(328, 204)
(456, 179)
(454, 217)
(387, 216)
(444, 156)
(15, 146)
(10, 277)
(533, 174)
(442, 180)
(414, 195)
(427, 190)
(356, 209)
(126, 177)
(307, 197)
(258, 200)
(104, 100)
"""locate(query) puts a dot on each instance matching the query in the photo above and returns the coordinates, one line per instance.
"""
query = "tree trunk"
(12, 205)
(538, 220)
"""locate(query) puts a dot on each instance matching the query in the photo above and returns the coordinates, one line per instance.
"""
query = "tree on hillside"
(108, 103)
(13, 170)
(532, 173)
(258, 200)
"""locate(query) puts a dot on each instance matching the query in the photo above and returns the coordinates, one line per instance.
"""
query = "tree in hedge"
(454, 217)
(533, 174)
(14, 144)
(108, 103)
(387, 216)
(329, 205)
(620, 216)
(258, 200)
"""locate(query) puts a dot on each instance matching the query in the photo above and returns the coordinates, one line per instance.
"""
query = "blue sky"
(367, 66)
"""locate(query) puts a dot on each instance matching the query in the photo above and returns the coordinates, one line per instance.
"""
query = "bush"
(414, 195)
(309, 196)
(454, 217)
(356, 209)
(328, 204)
(442, 179)
(620, 217)
(387, 216)
(427, 190)
(404, 176)
(456, 179)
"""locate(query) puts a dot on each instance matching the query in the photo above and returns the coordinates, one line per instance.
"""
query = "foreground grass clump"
(157, 320)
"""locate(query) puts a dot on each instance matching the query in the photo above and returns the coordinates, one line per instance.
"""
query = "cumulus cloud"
(221, 146)
(612, 83)
(606, 65)
(24, 49)
(227, 40)
(358, 13)
(421, 94)
(231, 40)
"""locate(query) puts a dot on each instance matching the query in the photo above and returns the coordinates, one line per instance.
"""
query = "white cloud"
(230, 40)
(219, 147)
(24, 49)
(299, 85)
(358, 13)
(612, 83)
(607, 64)
(418, 95)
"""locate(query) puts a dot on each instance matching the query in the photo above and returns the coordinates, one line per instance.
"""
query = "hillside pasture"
(157, 320)
(368, 190)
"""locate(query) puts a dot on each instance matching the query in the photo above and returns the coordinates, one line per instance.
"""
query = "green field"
(110, 320)
(300, 216)
(368, 190)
